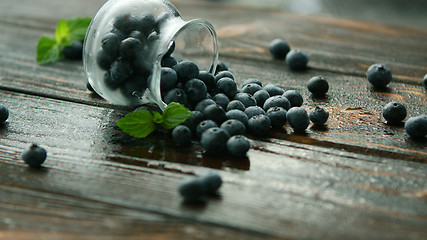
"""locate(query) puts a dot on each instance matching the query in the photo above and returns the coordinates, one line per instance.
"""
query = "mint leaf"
(175, 114)
(157, 118)
(77, 28)
(48, 50)
(137, 124)
(62, 33)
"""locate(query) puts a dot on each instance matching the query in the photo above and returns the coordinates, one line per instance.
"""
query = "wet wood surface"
(356, 178)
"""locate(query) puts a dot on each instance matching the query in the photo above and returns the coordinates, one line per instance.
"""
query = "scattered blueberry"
(246, 99)
(294, 97)
(181, 135)
(227, 86)
(253, 111)
(277, 116)
(233, 127)
(297, 59)
(273, 90)
(196, 90)
(298, 119)
(73, 52)
(34, 156)
(212, 182)
(379, 75)
(222, 100)
(252, 81)
(235, 104)
(238, 145)
(205, 125)
(318, 86)
(4, 113)
(192, 190)
(259, 125)
(214, 112)
(251, 88)
(260, 97)
(318, 116)
(186, 70)
(277, 101)
(238, 115)
(394, 112)
(416, 127)
(279, 48)
(214, 140)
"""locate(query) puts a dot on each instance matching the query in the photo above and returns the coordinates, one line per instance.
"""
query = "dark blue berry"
(260, 97)
(277, 101)
(214, 140)
(235, 104)
(176, 95)
(224, 74)
(252, 81)
(246, 99)
(220, 67)
(213, 182)
(238, 145)
(379, 75)
(227, 86)
(253, 111)
(273, 90)
(297, 59)
(237, 115)
(279, 48)
(4, 113)
(192, 190)
(34, 156)
(139, 35)
(120, 70)
(193, 121)
(318, 86)
(73, 52)
(144, 24)
(110, 44)
(186, 70)
(203, 104)
(233, 127)
(277, 116)
(195, 90)
(394, 112)
(123, 23)
(109, 82)
(168, 62)
(416, 127)
(222, 100)
(168, 79)
(208, 79)
(103, 60)
(135, 86)
(181, 135)
(251, 88)
(129, 47)
(259, 125)
(318, 116)
(298, 119)
(205, 125)
(214, 112)
(294, 97)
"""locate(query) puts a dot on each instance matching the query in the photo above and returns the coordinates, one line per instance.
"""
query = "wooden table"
(355, 178)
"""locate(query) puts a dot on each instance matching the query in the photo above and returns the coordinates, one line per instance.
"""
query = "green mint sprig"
(49, 49)
(141, 123)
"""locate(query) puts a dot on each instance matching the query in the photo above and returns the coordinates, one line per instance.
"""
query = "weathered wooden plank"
(289, 186)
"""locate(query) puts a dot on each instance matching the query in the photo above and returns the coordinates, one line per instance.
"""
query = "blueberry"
(246, 99)
(253, 111)
(318, 86)
(129, 47)
(425, 81)
(73, 52)
(277, 116)
(4, 113)
(170, 49)
(251, 88)
(237, 115)
(224, 74)
(221, 67)
(379, 75)
(259, 125)
(110, 44)
(212, 182)
(123, 23)
(294, 97)
(279, 48)
(186, 70)
(162, 19)
(196, 90)
(208, 79)
(214, 112)
(176, 95)
(168, 78)
(103, 60)
(298, 119)
(181, 135)
(277, 101)
(235, 104)
(203, 104)
(144, 24)
(168, 62)
(227, 86)
(193, 121)
(297, 59)
(109, 82)
(394, 112)
(222, 100)
(238, 145)
(252, 81)
(214, 140)
(34, 156)
(416, 127)
(205, 125)
(318, 116)
(273, 90)
(260, 97)
(139, 35)
(120, 70)
(233, 127)
(192, 190)
(135, 86)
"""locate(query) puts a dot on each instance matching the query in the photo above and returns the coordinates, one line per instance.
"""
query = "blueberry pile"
(196, 188)
(122, 53)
